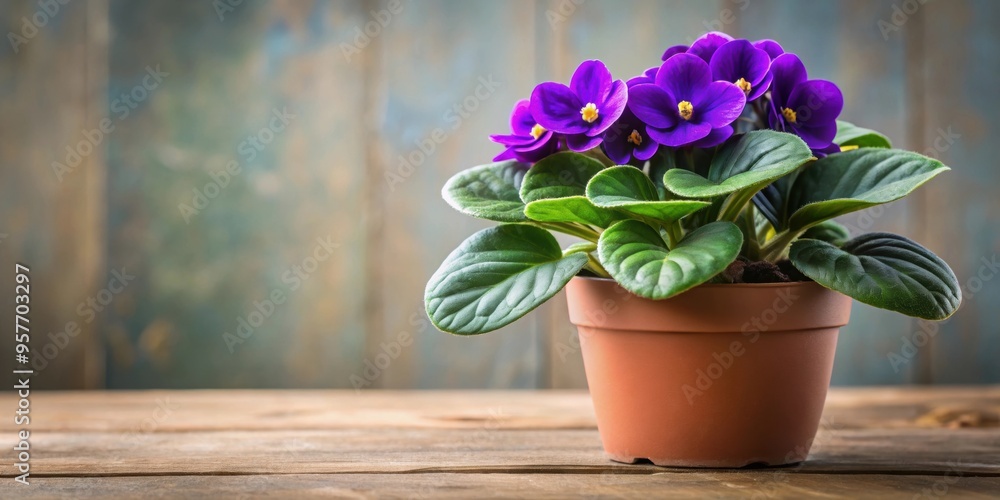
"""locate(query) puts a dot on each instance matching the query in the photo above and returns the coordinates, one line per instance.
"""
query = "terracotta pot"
(719, 376)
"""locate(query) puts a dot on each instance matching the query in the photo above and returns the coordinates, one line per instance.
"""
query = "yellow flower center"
(589, 112)
(789, 114)
(635, 138)
(537, 131)
(685, 109)
(744, 85)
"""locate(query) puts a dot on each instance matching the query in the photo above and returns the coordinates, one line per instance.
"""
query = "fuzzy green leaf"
(488, 191)
(628, 190)
(559, 176)
(849, 134)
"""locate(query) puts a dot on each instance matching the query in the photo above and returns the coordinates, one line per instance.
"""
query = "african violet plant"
(725, 164)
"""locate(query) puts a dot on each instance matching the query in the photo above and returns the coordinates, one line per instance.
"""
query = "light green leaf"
(637, 257)
(559, 176)
(570, 209)
(496, 276)
(746, 162)
(849, 134)
(883, 270)
(828, 231)
(855, 180)
(488, 191)
(628, 190)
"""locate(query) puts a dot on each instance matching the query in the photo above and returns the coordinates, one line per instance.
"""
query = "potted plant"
(710, 280)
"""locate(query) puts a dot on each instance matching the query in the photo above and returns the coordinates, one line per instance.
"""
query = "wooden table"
(906, 443)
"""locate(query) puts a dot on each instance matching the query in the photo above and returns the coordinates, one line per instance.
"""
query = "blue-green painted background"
(361, 110)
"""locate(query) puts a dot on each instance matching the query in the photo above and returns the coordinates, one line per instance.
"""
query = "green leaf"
(628, 190)
(488, 191)
(580, 247)
(849, 134)
(883, 270)
(559, 176)
(855, 180)
(636, 256)
(570, 209)
(828, 231)
(746, 162)
(496, 276)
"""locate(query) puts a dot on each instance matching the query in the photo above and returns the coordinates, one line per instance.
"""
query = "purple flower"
(743, 64)
(583, 110)
(628, 138)
(772, 48)
(529, 141)
(706, 45)
(684, 106)
(648, 76)
(676, 49)
(807, 108)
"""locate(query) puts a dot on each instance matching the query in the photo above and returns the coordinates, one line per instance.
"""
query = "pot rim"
(717, 285)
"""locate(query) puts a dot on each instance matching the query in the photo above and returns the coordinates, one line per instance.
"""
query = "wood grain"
(879, 442)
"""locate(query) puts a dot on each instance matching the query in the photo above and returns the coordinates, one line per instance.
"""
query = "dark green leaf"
(855, 180)
(628, 190)
(746, 162)
(496, 276)
(883, 270)
(828, 231)
(488, 191)
(638, 258)
(849, 134)
(559, 176)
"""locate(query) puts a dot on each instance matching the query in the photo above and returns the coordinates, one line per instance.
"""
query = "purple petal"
(816, 102)
(788, 72)
(818, 137)
(512, 139)
(714, 138)
(833, 148)
(772, 47)
(647, 149)
(676, 49)
(506, 154)
(739, 59)
(706, 45)
(619, 151)
(721, 104)
(653, 105)
(683, 134)
(582, 142)
(544, 140)
(591, 82)
(521, 121)
(557, 108)
(684, 76)
(760, 87)
(610, 109)
(648, 76)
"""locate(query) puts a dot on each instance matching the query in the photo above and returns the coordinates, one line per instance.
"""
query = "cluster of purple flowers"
(698, 97)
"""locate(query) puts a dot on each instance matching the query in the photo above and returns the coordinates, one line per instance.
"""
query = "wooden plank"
(961, 221)
(53, 80)
(484, 450)
(245, 410)
(233, 80)
(446, 84)
(546, 485)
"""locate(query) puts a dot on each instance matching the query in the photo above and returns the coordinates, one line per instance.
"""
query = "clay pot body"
(719, 376)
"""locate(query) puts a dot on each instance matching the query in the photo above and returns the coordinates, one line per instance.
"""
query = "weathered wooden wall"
(416, 101)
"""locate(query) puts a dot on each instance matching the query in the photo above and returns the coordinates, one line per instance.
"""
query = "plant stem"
(570, 229)
(595, 266)
(774, 249)
(753, 244)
